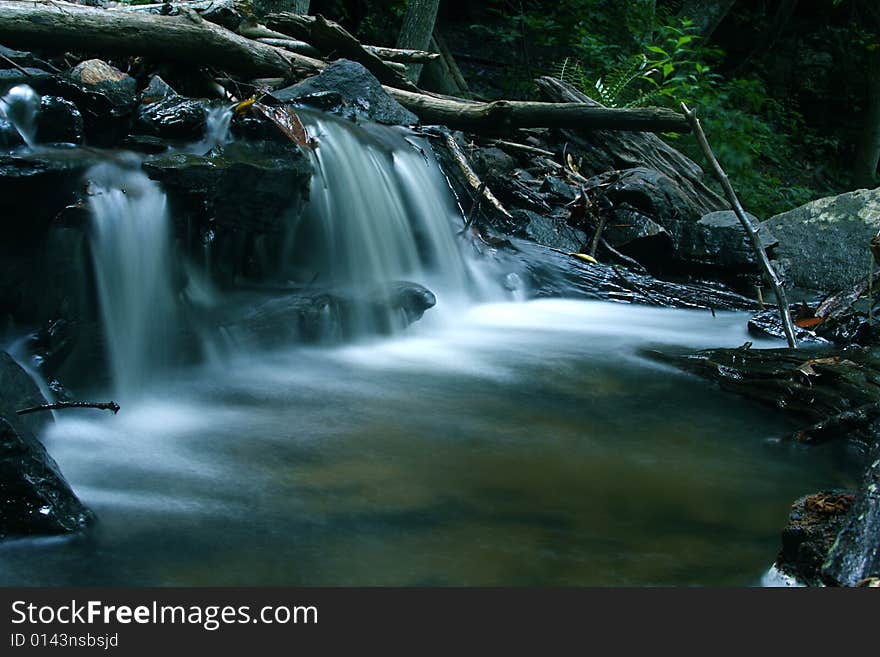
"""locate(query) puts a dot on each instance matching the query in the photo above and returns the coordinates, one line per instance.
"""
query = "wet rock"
(812, 529)
(34, 497)
(855, 555)
(548, 231)
(328, 315)
(768, 324)
(641, 207)
(173, 117)
(246, 186)
(718, 242)
(18, 391)
(638, 235)
(59, 122)
(648, 192)
(347, 89)
(542, 272)
(20, 57)
(492, 163)
(12, 76)
(157, 89)
(559, 188)
(34, 187)
(826, 241)
(96, 75)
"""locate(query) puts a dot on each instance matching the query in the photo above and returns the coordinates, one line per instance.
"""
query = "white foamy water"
(20, 107)
(131, 253)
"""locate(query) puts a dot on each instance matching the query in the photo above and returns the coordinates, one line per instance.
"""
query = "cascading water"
(518, 443)
(130, 244)
(19, 108)
(381, 210)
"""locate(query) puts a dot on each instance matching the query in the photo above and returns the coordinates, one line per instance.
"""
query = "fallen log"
(467, 171)
(186, 38)
(832, 390)
(501, 115)
(550, 273)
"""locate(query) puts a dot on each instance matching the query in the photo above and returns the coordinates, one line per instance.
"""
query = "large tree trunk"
(416, 31)
(443, 75)
(186, 38)
(706, 14)
(868, 150)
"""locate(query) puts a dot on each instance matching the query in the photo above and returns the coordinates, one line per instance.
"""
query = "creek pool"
(513, 444)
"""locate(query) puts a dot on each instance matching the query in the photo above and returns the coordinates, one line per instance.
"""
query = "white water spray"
(381, 210)
(130, 244)
(20, 107)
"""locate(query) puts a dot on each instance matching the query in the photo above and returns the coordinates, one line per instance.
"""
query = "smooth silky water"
(493, 443)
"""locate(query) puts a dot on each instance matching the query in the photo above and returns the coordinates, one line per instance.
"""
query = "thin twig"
(600, 226)
(101, 406)
(625, 258)
(757, 246)
(475, 205)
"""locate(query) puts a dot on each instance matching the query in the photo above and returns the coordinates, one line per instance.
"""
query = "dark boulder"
(34, 187)
(855, 554)
(718, 242)
(548, 231)
(648, 192)
(640, 207)
(34, 497)
(543, 272)
(347, 89)
(812, 529)
(59, 122)
(825, 242)
(248, 186)
(240, 198)
(326, 315)
(173, 117)
(99, 76)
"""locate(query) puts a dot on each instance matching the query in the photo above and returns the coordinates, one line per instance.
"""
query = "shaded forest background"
(788, 90)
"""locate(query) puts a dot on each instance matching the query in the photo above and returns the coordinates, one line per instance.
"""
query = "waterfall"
(130, 244)
(19, 108)
(380, 210)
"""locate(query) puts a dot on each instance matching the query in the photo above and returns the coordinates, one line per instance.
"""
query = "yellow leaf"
(584, 257)
(243, 105)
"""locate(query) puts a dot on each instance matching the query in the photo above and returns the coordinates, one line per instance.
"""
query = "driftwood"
(293, 45)
(502, 115)
(57, 406)
(186, 38)
(837, 425)
(467, 171)
(832, 390)
(608, 150)
(757, 245)
(552, 274)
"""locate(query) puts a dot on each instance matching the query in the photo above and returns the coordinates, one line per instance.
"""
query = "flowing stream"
(495, 442)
